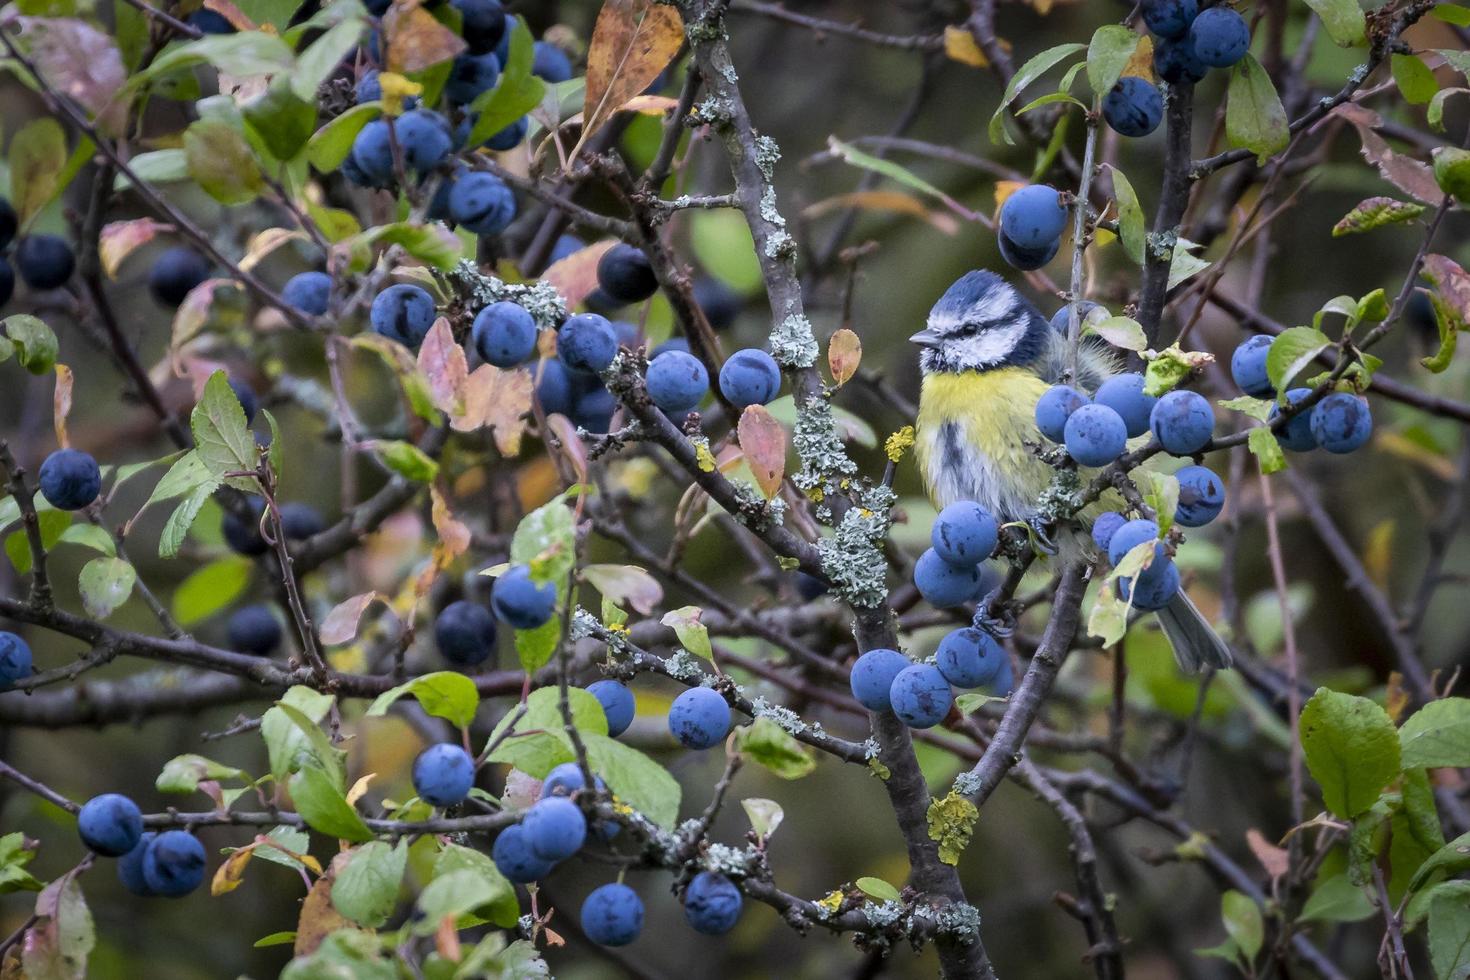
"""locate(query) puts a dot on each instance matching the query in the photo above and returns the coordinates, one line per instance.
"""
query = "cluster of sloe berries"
(170, 864)
(1188, 42)
(952, 571)
(1032, 220)
(1339, 423)
(1096, 430)
(43, 261)
(920, 694)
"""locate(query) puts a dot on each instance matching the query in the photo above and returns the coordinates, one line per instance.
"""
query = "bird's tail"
(1196, 644)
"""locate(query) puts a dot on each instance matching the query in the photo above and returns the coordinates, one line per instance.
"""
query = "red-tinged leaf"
(119, 239)
(416, 40)
(319, 916)
(1411, 176)
(56, 947)
(1375, 212)
(498, 399)
(340, 626)
(634, 41)
(569, 444)
(61, 403)
(453, 534)
(79, 60)
(763, 441)
(446, 939)
(575, 276)
(1272, 858)
(265, 242)
(1450, 297)
(443, 363)
(625, 585)
(844, 354)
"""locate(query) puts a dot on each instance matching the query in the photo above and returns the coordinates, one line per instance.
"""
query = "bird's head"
(980, 323)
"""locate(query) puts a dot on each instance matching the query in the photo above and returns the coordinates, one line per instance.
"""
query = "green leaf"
(534, 648)
(764, 815)
(183, 773)
(345, 953)
(1257, 408)
(293, 839)
(1266, 448)
(291, 745)
(634, 778)
(1452, 13)
(452, 895)
(1343, 19)
(37, 158)
(886, 168)
(282, 121)
(155, 167)
(1166, 369)
(211, 588)
(275, 939)
(247, 53)
(516, 93)
(53, 524)
(693, 635)
(1449, 931)
(221, 162)
(89, 536)
(408, 460)
(1438, 734)
(187, 473)
(951, 823)
(1120, 331)
(1415, 834)
(1243, 922)
(366, 890)
(1452, 171)
(323, 806)
(318, 61)
(1375, 212)
(432, 243)
(1351, 748)
(1033, 69)
(545, 540)
(222, 439)
(1450, 859)
(105, 584)
(329, 147)
(1292, 351)
(1415, 80)
(1254, 116)
(1183, 264)
(773, 747)
(1365, 841)
(1132, 230)
(14, 856)
(502, 908)
(1112, 45)
(176, 528)
(1163, 496)
(35, 343)
(1336, 899)
(444, 694)
(536, 754)
(877, 888)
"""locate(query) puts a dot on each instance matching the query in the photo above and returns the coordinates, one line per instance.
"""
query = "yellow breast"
(972, 432)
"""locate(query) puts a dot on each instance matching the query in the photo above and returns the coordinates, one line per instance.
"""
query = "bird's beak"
(926, 338)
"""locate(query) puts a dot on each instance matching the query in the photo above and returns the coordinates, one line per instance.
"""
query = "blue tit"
(987, 354)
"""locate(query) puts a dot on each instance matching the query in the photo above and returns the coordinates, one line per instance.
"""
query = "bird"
(986, 356)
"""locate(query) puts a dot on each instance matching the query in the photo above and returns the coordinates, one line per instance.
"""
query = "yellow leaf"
(891, 201)
(633, 41)
(1378, 555)
(318, 916)
(229, 875)
(359, 789)
(61, 403)
(498, 399)
(1141, 64)
(959, 45)
(1004, 189)
(396, 88)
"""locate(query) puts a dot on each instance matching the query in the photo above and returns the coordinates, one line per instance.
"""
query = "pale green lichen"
(478, 290)
(824, 459)
(883, 914)
(768, 207)
(852, 558)
(793, 344)
(726, 860)
(683, 666)
(780, 246)
(967, 783)
(758, 513)
(960, 920)
(705, 31)
(713, 111)
(767, 152)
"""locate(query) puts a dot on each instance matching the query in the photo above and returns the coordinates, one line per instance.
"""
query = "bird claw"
(1041, 539)
(1000, 625)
